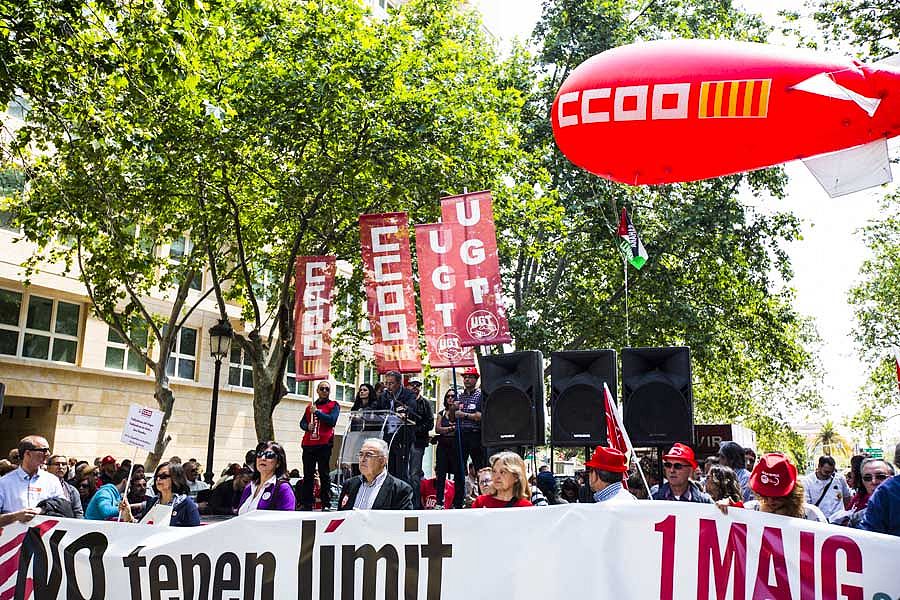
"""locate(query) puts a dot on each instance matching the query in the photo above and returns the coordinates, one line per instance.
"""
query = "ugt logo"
(482, 325)
(449, 347)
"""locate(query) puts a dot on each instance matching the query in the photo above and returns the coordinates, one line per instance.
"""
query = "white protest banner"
(142, 427)
(642, 551)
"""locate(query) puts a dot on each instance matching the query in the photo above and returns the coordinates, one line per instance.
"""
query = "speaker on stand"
(577, 407)
(513, 400)
(656, 391)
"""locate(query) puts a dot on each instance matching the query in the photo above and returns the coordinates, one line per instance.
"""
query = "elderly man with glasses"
(678, 465)
(374, 488)
(21, 490)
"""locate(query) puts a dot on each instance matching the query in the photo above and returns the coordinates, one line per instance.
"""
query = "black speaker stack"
(656, 394)
(512, 386)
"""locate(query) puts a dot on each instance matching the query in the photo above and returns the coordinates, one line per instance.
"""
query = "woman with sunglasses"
(873, 472)
(446, 452)
(270, 488)
(171, 488)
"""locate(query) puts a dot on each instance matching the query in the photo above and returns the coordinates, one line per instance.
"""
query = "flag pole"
(627, 324)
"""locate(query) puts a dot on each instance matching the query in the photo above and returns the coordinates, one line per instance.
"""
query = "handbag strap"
(824, 491)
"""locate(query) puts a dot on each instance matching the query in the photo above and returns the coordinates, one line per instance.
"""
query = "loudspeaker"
(2, 395)
(512, 412)
(656, 391)
(577, 409)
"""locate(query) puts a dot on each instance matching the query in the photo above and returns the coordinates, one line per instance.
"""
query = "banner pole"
(461, 468)
(128, 483)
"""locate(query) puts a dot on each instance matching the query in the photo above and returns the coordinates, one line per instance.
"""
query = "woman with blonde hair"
(509, 483)
(774, 482)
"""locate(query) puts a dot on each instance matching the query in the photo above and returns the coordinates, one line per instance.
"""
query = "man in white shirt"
(605, 470)
(192, 474)
(825, 488)
(25, 487)
(375, 488)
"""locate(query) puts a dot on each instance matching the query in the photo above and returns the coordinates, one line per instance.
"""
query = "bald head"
(33, 451)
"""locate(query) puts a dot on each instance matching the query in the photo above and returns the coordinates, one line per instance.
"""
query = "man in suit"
(400, 429)
(374, 488)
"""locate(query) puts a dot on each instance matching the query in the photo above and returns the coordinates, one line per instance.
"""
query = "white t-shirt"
(833, 500)
(810, 511)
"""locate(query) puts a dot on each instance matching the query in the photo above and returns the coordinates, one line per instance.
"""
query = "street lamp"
(220, 336)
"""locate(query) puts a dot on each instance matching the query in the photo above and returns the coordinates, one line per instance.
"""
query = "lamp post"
(220, 336)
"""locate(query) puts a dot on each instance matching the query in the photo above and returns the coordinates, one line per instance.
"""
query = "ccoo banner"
(436, 283)
(391, 298)
(313, 316)
(686, 552)
(478, 315)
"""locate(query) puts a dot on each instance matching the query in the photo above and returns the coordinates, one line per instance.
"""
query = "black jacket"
(393, 495)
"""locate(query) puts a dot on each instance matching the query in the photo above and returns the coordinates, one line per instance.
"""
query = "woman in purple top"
(270, 488)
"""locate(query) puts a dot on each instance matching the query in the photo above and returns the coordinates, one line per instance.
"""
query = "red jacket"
(318, 422)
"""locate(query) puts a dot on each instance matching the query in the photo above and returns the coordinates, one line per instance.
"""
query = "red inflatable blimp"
(683, 110)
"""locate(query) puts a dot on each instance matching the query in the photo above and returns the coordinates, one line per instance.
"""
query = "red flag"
(436, 284)
(616, 436)
(391, 298)
(478, 314)
(312, 316)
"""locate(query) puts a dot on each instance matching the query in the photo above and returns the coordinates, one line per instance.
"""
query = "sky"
(826, 260)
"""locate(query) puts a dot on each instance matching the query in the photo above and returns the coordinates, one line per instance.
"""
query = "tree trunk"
(166, 401)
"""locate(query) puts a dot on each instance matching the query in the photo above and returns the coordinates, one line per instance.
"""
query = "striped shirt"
(608, 492)
(367, 493)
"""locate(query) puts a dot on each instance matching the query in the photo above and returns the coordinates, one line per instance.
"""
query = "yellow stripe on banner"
(732, 98)
(717, 106)
(748, 98)
(764, 98)
(704, 96)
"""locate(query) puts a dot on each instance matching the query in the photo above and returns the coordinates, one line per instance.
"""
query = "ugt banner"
(643, 551)
(479, 317)
(436, 282)
(389, 290)
(312, 316)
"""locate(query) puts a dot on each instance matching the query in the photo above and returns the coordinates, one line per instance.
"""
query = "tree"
(874, 301)
(872, 26)
(261, 129)
(832, 442)
(714, 279)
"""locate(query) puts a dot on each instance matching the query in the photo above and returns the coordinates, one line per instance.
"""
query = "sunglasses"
(877, 476)
(267, 454)
(675, 466)
(43, 450)
(324, 389)
(163, 476)
(84, 486)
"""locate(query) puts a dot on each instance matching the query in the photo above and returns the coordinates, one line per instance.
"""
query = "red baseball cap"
(607, 459)
(108, 460)
(470, 371)
(681, 452)
(773, 475)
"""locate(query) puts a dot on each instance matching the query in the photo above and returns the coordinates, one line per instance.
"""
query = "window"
(177, 251)
(370, 374)
(122, 358)
(345, 374)
(51, 330)
(12, 182)
(182, 361)
(240, 369)
(301, 388)
(10, 313)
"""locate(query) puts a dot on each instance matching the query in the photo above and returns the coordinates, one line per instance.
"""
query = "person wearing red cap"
(678, 465)
(605, 470)
(774, 481)
(467, 412)
(107, 470)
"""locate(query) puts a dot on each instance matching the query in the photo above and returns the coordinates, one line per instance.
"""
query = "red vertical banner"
(479, 316)
(312, 316)
(389, 291)
(437, 282)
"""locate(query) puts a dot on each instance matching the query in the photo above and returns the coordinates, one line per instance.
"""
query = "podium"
(393, 428)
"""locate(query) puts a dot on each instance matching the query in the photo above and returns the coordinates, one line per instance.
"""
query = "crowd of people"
(387, 474)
